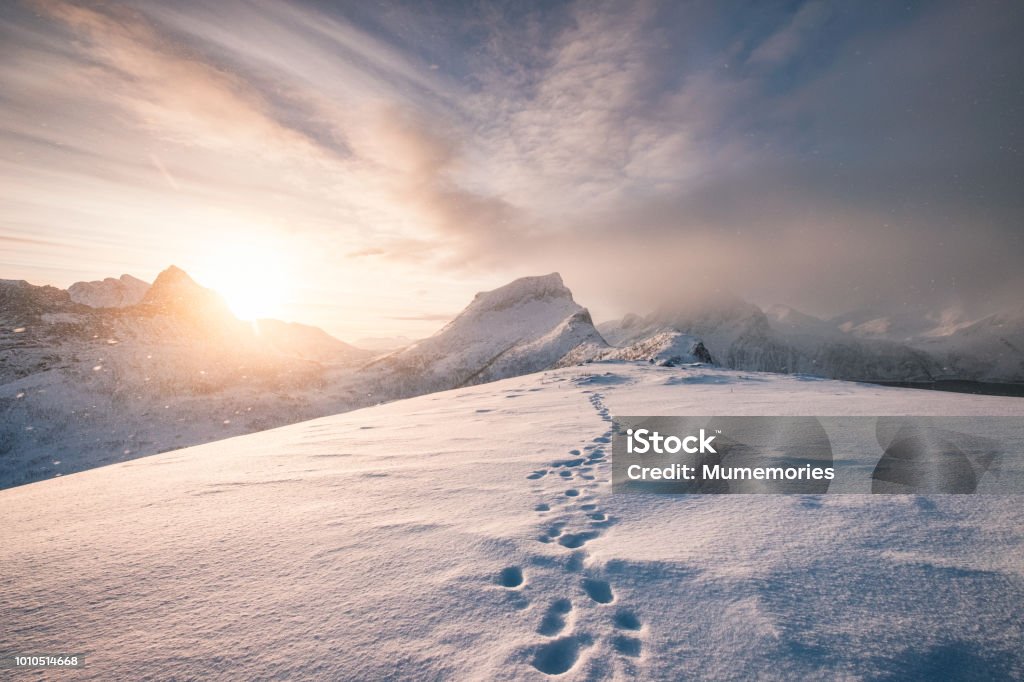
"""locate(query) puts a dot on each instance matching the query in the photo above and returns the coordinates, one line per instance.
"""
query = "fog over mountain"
(85, 385)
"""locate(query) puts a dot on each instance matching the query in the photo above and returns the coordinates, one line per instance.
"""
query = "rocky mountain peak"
(110, 292)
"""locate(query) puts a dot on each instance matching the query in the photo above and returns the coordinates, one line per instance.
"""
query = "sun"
(252, 276)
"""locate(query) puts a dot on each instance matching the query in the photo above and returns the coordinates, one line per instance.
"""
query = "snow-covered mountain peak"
(525, 326)
(789, 320)
(520, 291)
(528, 307)
(171, 283)
(173, 291)
(110, 292)
(739, 335)
(780, 312)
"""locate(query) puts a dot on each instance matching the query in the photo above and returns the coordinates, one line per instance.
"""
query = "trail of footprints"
(572, 521)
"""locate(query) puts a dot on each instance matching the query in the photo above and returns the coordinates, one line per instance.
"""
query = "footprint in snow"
(511, 577)
(552, 532)
(576, 540)
(627, 646)
(553, 621)
(557, 656)
(576, 562)
(598, 590)
(627, 620)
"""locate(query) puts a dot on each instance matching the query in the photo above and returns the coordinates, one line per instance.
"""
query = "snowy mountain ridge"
(916, 345)
(82, 386)
(667, 348)
(110, 292)
(88, 386)
(520, 328)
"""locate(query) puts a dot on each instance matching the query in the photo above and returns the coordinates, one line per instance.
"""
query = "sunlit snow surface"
(458, 536)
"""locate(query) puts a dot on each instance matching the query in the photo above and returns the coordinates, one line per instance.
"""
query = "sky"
(368, 167)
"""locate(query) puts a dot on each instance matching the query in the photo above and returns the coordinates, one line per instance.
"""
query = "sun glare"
(253, 278)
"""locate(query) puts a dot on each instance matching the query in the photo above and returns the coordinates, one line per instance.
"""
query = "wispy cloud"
(788, 40)
(641, 148)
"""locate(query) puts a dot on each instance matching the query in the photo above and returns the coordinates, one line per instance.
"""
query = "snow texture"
(471, 534)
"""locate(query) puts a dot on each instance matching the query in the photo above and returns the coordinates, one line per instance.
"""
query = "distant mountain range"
(867, 345)
(116, 369)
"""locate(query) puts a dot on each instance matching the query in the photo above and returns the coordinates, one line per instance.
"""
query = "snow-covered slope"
(383, 344)
(991, 349)
(906, 323)
(309, 342)
(472, 535)
(109, 293)
(525, 326)
(667, 348)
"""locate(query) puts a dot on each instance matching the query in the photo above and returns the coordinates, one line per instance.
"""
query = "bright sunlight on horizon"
(253, 275)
